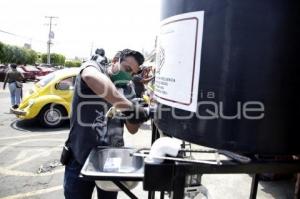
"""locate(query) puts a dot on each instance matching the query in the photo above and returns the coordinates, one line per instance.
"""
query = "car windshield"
(45, 80)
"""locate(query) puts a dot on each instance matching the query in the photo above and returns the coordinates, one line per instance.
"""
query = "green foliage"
(14, 54)
(73, 63)
(33, 56)
(39, 58)
(55, 59)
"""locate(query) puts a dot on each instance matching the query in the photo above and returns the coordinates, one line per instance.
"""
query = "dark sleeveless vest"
(89, 127)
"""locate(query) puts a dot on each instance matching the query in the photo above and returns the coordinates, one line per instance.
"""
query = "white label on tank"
(178, 57)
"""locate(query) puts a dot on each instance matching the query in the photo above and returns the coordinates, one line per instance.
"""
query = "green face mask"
(121, 78)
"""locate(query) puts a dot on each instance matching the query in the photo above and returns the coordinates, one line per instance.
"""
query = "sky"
(81, 26)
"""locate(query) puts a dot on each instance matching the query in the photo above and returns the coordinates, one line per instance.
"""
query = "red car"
(4, 69)
(44, 70)
(33, 71)
(27, 75)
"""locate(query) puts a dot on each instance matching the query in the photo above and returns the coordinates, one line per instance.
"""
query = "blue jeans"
(15, 94)
(77, 188)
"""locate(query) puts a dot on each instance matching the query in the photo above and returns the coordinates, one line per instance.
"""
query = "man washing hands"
(97, 89)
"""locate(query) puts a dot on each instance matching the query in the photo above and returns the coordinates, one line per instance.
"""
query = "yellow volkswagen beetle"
(50, 99)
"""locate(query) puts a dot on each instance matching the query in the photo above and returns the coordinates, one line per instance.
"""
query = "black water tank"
(250, 53)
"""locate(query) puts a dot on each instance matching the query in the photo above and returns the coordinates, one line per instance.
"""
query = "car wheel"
(52, 116)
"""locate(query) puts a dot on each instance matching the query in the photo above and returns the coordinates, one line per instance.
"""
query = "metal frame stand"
(123, 188)
(154, 136)
(254, 185)
(172, 175)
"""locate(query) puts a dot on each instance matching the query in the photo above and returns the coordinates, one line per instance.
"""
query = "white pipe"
(162, 147)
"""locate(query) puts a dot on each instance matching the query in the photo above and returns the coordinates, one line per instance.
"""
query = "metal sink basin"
(108, 164)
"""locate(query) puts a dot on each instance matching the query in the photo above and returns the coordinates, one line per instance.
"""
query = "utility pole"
(92, 46)
(50, 36)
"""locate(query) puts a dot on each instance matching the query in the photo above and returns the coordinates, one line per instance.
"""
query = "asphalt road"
(29, 166)
(29, 155)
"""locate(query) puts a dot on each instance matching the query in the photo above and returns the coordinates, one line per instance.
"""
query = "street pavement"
(29, 163)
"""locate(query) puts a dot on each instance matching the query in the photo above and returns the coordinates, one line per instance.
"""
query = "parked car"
(4, 69)
(34, 72)
(49, 100)
(48, 66)
(44, 70)
(27, 75)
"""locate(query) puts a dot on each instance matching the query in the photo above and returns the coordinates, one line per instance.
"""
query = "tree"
(8, 54)
(14, 54)
(1, 51)
(32, 56)
(73, 63)
(18, 55)
(55, 59)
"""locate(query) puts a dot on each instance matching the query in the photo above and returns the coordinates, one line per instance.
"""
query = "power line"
(8, 33)
(23, 37)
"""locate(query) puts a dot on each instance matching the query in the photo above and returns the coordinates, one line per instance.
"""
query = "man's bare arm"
(100, 84)
(5, 80)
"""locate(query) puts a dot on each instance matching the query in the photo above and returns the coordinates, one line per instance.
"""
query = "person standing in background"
(100, 57)
(140, 80)
(13, 78)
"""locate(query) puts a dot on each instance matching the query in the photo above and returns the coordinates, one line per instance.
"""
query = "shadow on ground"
(34, 126)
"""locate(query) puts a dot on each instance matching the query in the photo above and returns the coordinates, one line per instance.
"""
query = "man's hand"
(136, 115)
(139, 102)
(132, 128)
(139, 113)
